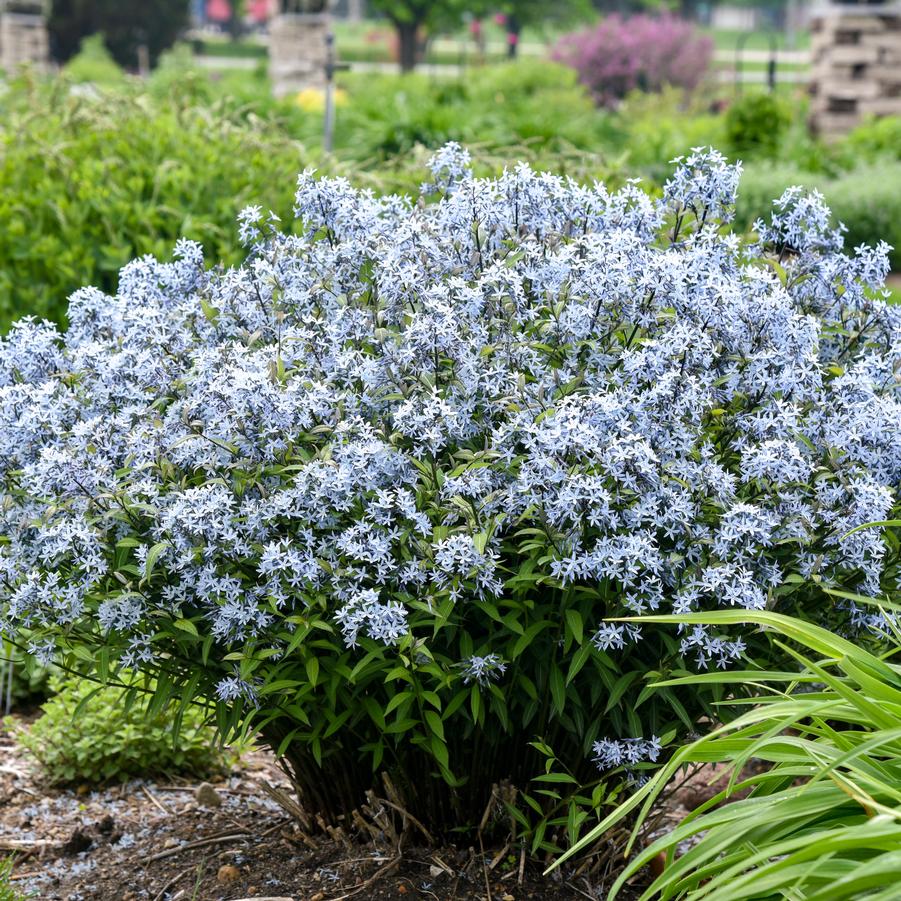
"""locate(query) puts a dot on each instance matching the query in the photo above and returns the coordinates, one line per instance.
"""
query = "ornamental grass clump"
(375, 492)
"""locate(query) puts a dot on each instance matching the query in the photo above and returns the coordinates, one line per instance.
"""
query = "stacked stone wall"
(856, 65)
(23, 36)
(297, 52)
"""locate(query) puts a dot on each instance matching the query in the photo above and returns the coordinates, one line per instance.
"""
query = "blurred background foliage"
(98, 166)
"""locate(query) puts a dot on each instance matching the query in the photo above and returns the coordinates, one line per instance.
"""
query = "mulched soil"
(153, 841)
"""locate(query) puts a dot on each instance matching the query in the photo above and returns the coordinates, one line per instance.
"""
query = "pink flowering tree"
(639, 53)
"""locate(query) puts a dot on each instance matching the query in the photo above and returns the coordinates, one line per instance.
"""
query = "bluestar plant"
(376, 490)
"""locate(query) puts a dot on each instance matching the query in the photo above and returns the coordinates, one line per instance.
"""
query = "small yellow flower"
(312, 100)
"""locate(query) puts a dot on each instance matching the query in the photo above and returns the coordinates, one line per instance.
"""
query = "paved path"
(453, 70)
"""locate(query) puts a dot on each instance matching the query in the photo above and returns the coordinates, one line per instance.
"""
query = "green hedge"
(531, 101)
(89, 180)
(91, 177)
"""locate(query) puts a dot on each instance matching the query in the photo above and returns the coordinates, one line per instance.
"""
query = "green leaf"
(574, 623)
(152, 556)
(185, 625)
(435, 724)
(528, 637)
(558, 689)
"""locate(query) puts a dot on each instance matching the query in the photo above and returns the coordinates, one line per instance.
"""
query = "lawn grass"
(728, 38)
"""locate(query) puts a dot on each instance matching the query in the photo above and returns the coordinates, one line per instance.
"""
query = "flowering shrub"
(377, 489)
(645, 53)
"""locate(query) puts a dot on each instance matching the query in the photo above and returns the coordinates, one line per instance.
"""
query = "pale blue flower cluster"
(626, 752)
(483, 670)
(367, 417)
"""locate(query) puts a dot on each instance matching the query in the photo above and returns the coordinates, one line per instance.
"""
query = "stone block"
(835, 123)
(849, 90)
(880, 106)
(844, 73)
(831, 21)
(297, 52)
(849, 54)
(23, 41)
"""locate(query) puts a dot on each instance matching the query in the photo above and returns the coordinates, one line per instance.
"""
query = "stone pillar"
(23, 35)
(297, 52)
(856, 65)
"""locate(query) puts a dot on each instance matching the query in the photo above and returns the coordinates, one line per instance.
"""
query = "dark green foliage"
(125, 26)
(29, 680)
(756, 124)
(94, 735)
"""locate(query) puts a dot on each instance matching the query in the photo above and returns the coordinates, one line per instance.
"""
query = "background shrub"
(94, 64)
(102, 735)
(90, 180)
(531, 102)
(756, 124)
(878, 139)
(88, 183)
(23, 681)
(644, 53)
(654, 129)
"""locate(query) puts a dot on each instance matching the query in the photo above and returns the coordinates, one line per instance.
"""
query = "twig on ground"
(346, 862)
(279, 825)
(200, 843)
(23, 846)
(172, 883)
(576, 888)
(439, 862)
(499, 856)
(154, 801)
(482, 824)
(17, 876)
(378, 874)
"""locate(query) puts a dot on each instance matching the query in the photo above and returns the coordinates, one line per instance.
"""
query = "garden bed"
(154, 841)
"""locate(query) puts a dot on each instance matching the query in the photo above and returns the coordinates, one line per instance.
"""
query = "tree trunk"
(408, 45)
(513, 32)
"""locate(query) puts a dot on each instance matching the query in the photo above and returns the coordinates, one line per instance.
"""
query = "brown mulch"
(155, 841)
